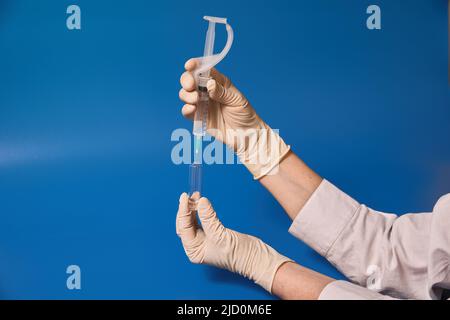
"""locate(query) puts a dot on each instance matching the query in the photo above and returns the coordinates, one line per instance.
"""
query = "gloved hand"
(232, 120)
(215, 245)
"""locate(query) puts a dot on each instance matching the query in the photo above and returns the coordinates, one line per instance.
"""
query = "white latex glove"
(215, 245)
(233, 120)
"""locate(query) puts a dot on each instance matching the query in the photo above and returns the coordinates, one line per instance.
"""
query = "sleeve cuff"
(323, 218)
(344, 290)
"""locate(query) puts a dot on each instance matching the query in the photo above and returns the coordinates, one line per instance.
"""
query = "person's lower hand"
(233, 120)
(213, 244)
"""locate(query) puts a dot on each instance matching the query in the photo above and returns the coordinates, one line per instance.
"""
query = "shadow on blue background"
(86, 118)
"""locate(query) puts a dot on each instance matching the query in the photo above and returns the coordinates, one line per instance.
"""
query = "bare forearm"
(293, 184)
(294, 282)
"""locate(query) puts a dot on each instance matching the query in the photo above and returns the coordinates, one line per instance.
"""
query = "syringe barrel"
(195, 178)
(201, 114)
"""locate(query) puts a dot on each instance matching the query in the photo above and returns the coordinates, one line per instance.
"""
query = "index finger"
(191, 64)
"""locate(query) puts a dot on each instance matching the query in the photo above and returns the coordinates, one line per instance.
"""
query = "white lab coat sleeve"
(344, 290)
(402, 257)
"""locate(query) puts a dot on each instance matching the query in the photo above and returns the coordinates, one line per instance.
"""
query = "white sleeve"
(405, 257)
(344, 290)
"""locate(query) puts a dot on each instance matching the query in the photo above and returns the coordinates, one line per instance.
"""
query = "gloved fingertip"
(203, 204)
(211, 85)
(216, 91)
(191, 64)
(195, 196)
(183, 196)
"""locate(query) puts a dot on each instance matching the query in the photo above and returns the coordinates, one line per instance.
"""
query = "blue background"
(86, 117)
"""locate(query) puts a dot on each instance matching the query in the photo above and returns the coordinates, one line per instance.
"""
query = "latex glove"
(233, 120)
(215, 245)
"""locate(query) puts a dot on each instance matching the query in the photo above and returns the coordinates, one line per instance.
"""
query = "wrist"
(262, 150)
(295, 282)
(263, 263)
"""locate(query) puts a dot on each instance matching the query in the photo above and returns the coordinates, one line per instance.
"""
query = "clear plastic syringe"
(202, 75)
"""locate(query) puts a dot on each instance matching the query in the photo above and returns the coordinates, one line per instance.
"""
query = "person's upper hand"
(215, 245)
(232, 120)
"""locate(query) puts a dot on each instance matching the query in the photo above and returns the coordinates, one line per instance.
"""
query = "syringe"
(202, 75)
